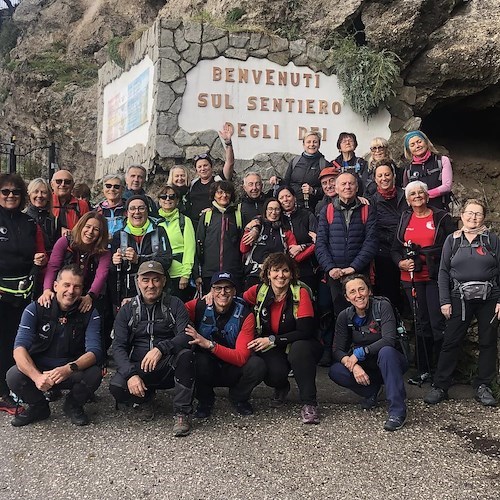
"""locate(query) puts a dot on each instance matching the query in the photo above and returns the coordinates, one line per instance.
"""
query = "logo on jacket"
(430, 225)
(3, 230)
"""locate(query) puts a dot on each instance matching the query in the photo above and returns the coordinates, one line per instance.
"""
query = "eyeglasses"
(112, 186)
(140, 209)
(220, 192)
(66, 182)
(203, 156)
(226, 289)
(270, 209)
(377, 148)
(347, 139)
(168, 196)
(14, 192)
(468, 213)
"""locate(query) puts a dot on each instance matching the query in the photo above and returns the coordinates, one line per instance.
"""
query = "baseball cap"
(151, 266)
(329, 171)
(222, 277)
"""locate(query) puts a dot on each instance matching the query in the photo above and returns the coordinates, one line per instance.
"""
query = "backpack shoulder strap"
(330, 213)
(295, 160)
(237, 215)
(207, 217)
(135, 316)
(155, 241)
(182, 222)
(364, 213)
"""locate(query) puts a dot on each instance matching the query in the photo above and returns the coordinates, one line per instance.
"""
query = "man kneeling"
(365, 353)
(223, 331)
(151, 348)
(57, 347)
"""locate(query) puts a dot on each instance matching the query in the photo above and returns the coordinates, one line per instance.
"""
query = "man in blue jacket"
(58, 347)
(347, 238)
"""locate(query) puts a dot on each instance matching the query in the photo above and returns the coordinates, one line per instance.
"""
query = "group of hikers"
(205, 289)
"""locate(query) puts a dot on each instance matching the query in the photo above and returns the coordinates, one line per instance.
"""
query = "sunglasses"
(112, 186)
(377, 148)
(168, 196)
(66, 182)
(203, 156)
(14, 192)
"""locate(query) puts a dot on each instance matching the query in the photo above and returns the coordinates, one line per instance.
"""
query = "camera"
(412, 251)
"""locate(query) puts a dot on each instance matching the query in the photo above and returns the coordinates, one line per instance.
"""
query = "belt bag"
(475, 290)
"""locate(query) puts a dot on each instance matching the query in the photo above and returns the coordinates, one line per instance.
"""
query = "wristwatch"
(272, 339)
(74, 367)
(211, 347)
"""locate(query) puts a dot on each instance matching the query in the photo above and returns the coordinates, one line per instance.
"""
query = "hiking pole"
(418, 333)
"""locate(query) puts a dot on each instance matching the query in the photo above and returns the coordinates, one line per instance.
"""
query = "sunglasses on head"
(66, 182)
(168, 196)
(13, 192)
(203, 156)
(112, 186)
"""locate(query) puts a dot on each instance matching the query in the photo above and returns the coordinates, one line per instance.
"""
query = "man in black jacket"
(151, 348)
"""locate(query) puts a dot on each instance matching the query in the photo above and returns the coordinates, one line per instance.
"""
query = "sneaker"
(309, 414)
(243, 408)
(9, 405)
(370, 402)
(420, 378)
(326, 358)
(75, 412)
(394, 422)
(485, 396)
(182, 425)
(34, 413)
(279, 397)
(435, 396)
(203, 411)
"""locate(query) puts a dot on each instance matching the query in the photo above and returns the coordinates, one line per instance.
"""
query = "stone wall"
(175, 47)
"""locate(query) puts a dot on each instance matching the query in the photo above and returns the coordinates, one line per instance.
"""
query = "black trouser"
(326, 315)
(430, 322)
(302, 359)
(387, 281)
(212, 372)
(339, 301)
(172, 371)
(454, 334)
(185, 294)
(82, 385)
(10, 317)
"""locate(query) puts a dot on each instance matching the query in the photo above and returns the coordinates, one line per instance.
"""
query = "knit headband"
(410, 135)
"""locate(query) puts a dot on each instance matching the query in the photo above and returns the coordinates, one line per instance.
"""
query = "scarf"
(138, 231)
(463, 230)
(168, 216)
(420, 160)
(387, 194)
(220, 208)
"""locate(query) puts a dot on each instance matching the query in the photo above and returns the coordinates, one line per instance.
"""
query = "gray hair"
(39, 181)
(415, 185)
(144, 171)
(108, 177)
(313, 132)
(248, 174)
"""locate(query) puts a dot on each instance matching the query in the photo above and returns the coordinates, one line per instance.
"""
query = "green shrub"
(366, 76)
(8, 38)
(234, 15)
(113, 51)
(290, 24)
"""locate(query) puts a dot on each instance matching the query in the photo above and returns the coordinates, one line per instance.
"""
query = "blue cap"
(222, 277)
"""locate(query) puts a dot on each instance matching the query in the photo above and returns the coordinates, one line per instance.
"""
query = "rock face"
(449, 50)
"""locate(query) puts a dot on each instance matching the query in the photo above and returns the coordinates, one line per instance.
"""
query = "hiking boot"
(370, 402)
(435, 396)
(279, 397)
(33, 413)
(485, 396)
(243, 408)
(146, 410)
(75, 412)
(203, 411)
(420, 378)
(309, 414)
(53, 395)
(394, 422)
(182, 425)
(326, 358)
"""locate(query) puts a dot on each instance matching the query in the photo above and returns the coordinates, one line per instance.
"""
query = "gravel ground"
(451, 451)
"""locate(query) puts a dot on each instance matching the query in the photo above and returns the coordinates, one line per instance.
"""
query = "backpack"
(330, 213)
(207, 217)
(402, 339)
(484, 240)
(136, 311)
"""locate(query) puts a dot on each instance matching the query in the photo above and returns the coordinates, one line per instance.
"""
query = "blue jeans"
(391, 365)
